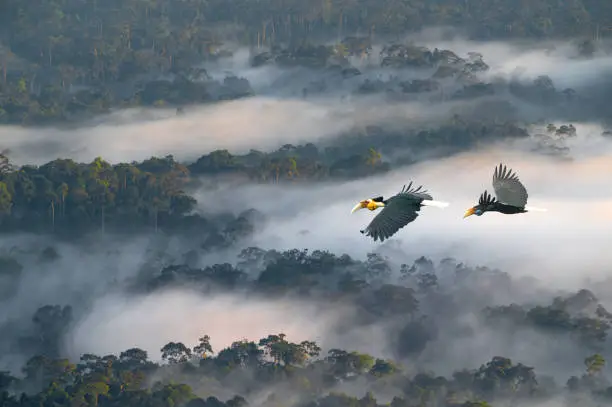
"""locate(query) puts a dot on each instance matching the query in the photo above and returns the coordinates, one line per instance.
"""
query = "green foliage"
(111, 380)
(5, 199)
(313, 378)
(594, 364)
(175, 352)
(65, 196)
(102, 45)
(384, 368)
(286, 353)
(203, 348)
(69, 198)
(349, 363)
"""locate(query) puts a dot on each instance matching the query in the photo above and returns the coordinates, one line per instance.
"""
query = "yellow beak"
(469, 212)
(360, 205)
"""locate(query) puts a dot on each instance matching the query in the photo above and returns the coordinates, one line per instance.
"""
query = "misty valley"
(176, 185)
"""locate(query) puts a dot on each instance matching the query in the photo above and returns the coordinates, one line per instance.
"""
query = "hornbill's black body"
(398, 211)
(490, 204)
(510, 195)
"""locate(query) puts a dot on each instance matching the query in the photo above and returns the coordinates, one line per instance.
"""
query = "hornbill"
(510, 195)
(398, 211)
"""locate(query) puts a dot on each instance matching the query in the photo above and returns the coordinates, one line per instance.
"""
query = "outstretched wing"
(399, 211)
(508, 188)
(486, 199)
(416, 193)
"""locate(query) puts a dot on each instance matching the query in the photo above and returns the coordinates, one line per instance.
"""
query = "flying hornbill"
(510, 195)
(398, 211)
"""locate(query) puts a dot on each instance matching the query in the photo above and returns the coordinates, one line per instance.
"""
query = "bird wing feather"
(414, 192)
(399, 211)
(508, 188)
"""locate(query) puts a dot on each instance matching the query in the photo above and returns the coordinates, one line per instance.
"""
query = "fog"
(556, 59)
(278, 114)
(565, 248)
(262, 123)
(548, 245)
(151, 321)
(236, 125)
(562, 249)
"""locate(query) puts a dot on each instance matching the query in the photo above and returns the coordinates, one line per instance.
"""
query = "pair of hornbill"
(403, 208)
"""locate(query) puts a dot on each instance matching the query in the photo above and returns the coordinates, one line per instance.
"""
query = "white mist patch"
(82, 271)
(119, 322)
(588, 141)
(453, 350)
(267, 122)
(259, 123)
(529, 60)
(551, 246)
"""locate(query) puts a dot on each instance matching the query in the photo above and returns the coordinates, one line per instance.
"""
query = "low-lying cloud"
(562, 248)
(273, 117)
(553, 245)
(117, 322)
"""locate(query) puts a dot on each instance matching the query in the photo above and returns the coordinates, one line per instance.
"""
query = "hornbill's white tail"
(437, 204)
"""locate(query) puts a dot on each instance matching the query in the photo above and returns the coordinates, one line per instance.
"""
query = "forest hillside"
(176, 179)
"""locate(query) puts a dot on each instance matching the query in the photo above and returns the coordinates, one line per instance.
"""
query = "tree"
(172, 394)
(175, 352)
(383, 368)
(102, 174)
(5, 199)
(42, 371)
(347, 364)
(89, 393)
(240, 354)
(203, 347)
(377, 266)
(62, 192)
(133, 357)
(286, 353)
(251, 258)
(6, 167)
(51, 322)
(594, 364)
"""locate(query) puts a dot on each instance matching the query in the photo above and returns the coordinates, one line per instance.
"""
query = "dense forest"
(63, 60)
(399, 329)
(416, 308)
